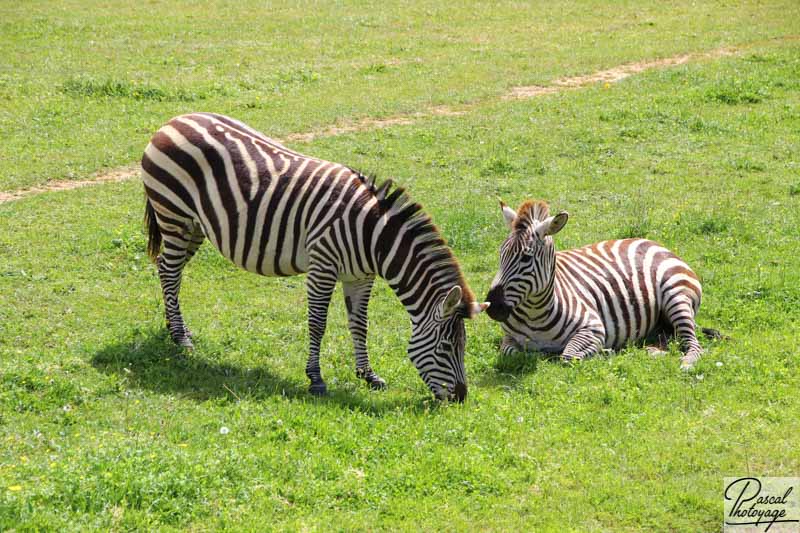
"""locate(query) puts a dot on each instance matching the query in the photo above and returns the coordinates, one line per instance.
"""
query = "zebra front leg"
(509, 346)
(321, 282)
(356, 298)
(680, 313)
(585, 343)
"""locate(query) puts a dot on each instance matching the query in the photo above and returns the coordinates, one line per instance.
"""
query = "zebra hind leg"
(356, 298)
(680, 313)
(178, 250)
(585, 343)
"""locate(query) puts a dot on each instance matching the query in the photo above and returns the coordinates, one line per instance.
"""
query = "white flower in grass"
(699, 377)
(224, 430)
(719, 363)
(67, 408)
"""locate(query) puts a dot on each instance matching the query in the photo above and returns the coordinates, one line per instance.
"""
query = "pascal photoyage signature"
(753, 508)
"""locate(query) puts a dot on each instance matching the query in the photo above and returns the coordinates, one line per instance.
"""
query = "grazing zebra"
(276, 212)
(579, 301)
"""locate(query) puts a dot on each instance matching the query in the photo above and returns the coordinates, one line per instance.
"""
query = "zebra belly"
(267, 267)
(620, 333)
(625, 320)
(290, 262)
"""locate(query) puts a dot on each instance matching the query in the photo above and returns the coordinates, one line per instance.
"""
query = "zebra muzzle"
(459, 393)
(498, 310)
(450, 393)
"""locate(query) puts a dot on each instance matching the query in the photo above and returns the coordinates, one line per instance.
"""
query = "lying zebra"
(579, 301)
(276, 212)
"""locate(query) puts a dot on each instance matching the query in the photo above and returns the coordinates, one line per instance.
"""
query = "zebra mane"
(530, 211)
(395, 201)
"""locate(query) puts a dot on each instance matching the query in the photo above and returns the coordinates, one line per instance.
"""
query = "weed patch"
(634, 229)
(88, 88)
(735, 91)
(712, 226)
(744, 164)
(497, 166)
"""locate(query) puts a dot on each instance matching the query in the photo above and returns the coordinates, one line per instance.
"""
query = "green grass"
(83, 84)
(104, 424)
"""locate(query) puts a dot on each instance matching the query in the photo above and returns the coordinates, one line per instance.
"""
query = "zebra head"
(527, 257)
(437, 346)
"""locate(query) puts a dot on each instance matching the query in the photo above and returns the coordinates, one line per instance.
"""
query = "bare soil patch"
(118, 174)
(376, 123)
(611, 75)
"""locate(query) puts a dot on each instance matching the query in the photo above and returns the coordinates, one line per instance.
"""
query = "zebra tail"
(154, 238)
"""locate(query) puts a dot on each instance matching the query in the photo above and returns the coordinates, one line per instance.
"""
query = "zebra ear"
(552, 225)
(508, 214)
(450, 302)
(475, 308)
(558, 222)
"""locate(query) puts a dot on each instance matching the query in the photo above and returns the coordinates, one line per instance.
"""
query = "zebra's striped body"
(276, 212)
(579, 301)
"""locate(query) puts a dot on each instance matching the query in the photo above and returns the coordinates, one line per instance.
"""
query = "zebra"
(276, 212)
(577, 302)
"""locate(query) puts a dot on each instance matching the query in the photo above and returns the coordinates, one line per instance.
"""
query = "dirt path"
(612, 75)
(118, 174)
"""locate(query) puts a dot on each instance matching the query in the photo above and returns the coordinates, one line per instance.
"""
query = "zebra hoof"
(184, 342)
(655, 351)
(377, 384)
(318, 389)
(688, 361)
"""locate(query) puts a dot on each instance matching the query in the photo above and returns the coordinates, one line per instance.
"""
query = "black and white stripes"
(580, 301)
(273, 211)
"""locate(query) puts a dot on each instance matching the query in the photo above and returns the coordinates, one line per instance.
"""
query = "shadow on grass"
(152, 361)
(509, 370)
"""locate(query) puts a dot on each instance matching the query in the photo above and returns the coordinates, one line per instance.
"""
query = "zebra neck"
(408, 251)
(419, 271)
(419, 301)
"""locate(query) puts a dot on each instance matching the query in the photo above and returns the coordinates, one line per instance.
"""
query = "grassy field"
(83, 84)
(104, 424)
